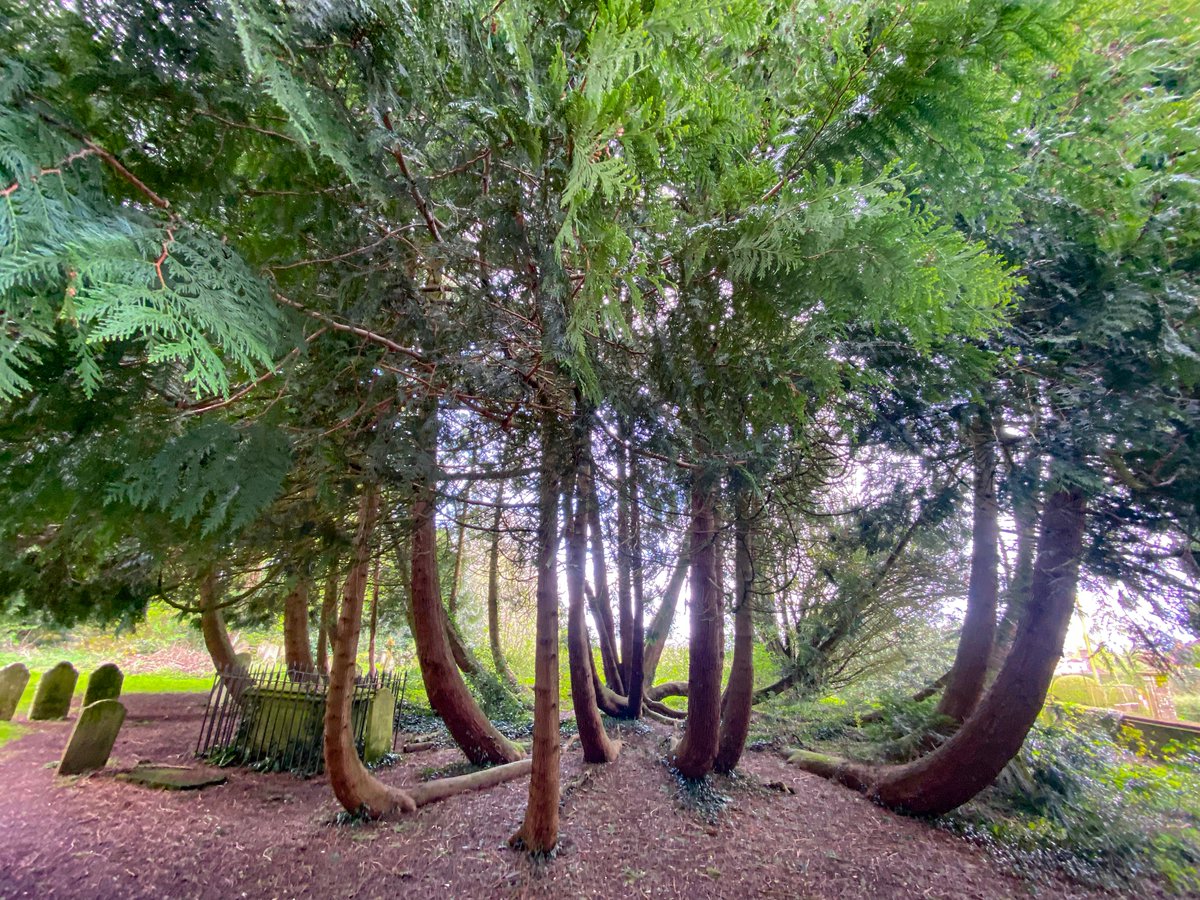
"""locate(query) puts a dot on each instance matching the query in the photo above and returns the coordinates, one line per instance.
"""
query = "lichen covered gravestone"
(92, 738)
(104, 684)
(12, 685)
(378, 737)
(54, 692)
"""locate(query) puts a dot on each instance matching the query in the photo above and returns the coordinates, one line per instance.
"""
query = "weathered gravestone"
(92, 738)
(104, 684)
(12, 685)
(378, 737)
(54, 692)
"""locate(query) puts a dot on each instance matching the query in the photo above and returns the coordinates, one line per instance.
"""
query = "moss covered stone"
(92, 738)
(12, 685)
(104, 684)
(171, 778)
(53, 697)
(378, 738)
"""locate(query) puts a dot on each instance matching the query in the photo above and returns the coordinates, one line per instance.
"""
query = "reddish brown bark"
(356, 789)
(739, 692)
(969, 670)
(448, 695)
(970, 761)
(539, 831)
(697, 749)
(216, 636)
(296, 651)
(597, 748)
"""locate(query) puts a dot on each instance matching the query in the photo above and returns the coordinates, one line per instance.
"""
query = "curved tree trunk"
(216, 636)
(357, 789)
(597, 748)
(600, 601)
(664, 617)
(448, 695)
(739, 692)
(538, 833)
(970, 761)
(697, 749)
(969, 670)
(327, 628)
(296, 651)
(493, 597)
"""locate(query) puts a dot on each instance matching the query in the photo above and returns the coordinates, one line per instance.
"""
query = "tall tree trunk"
(597, 748)
(624, 562)
(374, 629)
(664, 617)
(297, 653)
(739, 693)
(637, 653)
(979, 626)
(448, 695)
(539, 831)
(357, 789)
(493, 597)
(697, 749)
(601, 600)
(327, 629)
(970, 761)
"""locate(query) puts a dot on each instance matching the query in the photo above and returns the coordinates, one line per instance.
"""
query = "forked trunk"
(697, 749)
(357, 789)
(739, 692)
(969, 671)
(664, 617)
(297, 653)
(539, 831)
(970, 761)
(597, 748)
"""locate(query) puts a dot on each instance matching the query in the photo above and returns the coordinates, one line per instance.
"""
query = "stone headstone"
(12, 685)
(378, 739)
(104, 684)
(92, 738)
(53, 697)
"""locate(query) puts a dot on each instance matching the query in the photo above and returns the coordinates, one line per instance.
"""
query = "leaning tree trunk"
(538, 833)
(970, 761)
(216, 637)
(697, 749)
(357, 789)
(327, 627)
(493, 597)
(969, 670)
(637, 654)
(296, 652)
(664, 617)
(597, 748)
(448, 695)
(600, 600)
(739, 693)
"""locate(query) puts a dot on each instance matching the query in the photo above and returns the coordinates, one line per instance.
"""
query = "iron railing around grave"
(272, 717)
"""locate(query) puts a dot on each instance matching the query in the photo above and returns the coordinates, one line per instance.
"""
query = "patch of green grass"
(9, 731)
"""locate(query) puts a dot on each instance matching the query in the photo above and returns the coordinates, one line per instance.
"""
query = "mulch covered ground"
(627, 831)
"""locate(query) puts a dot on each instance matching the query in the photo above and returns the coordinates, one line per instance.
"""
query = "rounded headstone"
(53, 697)
(104, 684)
(92, 738)
(13, 679)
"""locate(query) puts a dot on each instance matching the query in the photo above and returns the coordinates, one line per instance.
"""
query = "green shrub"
(1075, 801)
